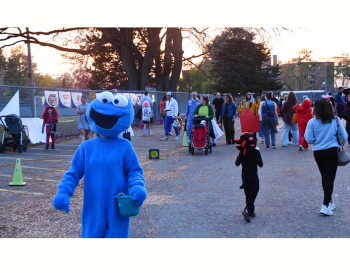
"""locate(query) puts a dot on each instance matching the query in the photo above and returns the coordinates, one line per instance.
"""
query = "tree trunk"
(152, 46)
(177, 54)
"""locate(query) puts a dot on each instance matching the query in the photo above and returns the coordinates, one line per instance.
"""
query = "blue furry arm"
(134, 174)
(70, 181)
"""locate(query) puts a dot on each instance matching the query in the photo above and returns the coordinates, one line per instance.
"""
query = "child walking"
(304, 115)
(50, 119)
(145, 115)
(250, 157)
(346, 115)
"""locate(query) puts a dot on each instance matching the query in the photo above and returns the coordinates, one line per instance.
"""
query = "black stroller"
(199, 136)
(17, 133)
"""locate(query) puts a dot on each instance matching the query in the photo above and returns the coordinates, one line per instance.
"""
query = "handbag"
(176, 123)
(295, 118)
(343, 158)
(127, 135)
(269, 112)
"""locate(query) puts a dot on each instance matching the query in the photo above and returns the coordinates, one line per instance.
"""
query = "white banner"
(34, 127)
(51, 98)
(76, 99)
(12, 106)
(65, 100)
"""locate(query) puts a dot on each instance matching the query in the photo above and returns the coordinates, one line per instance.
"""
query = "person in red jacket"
(304, 115)
(50, 117)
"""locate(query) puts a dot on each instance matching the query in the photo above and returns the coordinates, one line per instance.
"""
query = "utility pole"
(30, 75)
(325, 73)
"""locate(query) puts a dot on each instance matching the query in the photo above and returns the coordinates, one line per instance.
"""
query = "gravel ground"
(188, 196)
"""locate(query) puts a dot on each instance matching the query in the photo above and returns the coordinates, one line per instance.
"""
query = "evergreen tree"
(238, 66)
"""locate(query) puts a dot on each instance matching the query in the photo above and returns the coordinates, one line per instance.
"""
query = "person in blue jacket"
(228, 115)
(322, 132)
(340, 101)
(109, 165)
(191, 105)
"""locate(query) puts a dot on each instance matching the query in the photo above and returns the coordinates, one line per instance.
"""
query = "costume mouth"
(103, 121)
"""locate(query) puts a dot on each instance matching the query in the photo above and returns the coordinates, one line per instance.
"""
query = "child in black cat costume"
(250, 157)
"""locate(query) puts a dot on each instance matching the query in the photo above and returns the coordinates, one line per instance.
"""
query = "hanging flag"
(65, 100)
(76, 96)
(51, 98)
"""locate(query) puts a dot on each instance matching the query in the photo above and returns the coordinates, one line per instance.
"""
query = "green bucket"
(126, 206)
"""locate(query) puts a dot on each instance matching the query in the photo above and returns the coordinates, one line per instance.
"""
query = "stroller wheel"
(189, 147)
(192, 151)
(20, 149)
(2, 149)
(25, 147)
(14, 148)
(206, 151)
(210, 149)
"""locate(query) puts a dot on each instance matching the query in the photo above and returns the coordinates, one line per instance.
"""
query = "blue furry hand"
(138, 195)
(61, 202)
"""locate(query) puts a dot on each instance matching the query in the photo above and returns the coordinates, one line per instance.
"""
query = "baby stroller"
(200, 135)
(17, 134)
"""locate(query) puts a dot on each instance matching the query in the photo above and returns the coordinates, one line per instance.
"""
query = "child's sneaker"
(331, 206)
(326, 211)
(274, 146)
(170, 134)
(165, 138)
(301, 148)
(267, 147)
(290, 143)
(177, 138)
(246, 215)
(149, 134)
(144, 135)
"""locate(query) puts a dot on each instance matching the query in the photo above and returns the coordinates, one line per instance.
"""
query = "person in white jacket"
(171, 110)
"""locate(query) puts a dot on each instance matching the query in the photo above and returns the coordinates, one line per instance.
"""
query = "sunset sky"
(324, 42)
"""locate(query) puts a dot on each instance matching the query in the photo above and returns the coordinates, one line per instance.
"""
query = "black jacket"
(250, 162)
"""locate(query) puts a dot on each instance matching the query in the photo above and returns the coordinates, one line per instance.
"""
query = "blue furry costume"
(109, 165)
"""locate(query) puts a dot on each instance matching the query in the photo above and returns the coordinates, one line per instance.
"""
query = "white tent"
(12, 107)
(34, 124)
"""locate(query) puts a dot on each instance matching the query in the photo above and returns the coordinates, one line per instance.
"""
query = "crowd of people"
(304, 124)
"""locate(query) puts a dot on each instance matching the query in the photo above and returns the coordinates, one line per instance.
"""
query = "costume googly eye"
(105, 97)
(120, 101)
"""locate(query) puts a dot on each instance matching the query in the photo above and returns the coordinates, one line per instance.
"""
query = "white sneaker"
(177, 138)
(165, 138)
(301, 148)
(326, 211)
(331, 206)
(290, 143)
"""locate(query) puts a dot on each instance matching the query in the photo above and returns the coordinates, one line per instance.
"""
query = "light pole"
(325, 72)
(30, 75)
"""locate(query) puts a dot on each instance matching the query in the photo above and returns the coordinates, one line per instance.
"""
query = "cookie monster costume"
(109, 165)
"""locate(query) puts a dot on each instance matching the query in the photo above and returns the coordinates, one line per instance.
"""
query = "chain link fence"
(7, 92)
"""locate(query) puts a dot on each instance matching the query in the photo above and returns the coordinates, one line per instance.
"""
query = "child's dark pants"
(251, 191)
